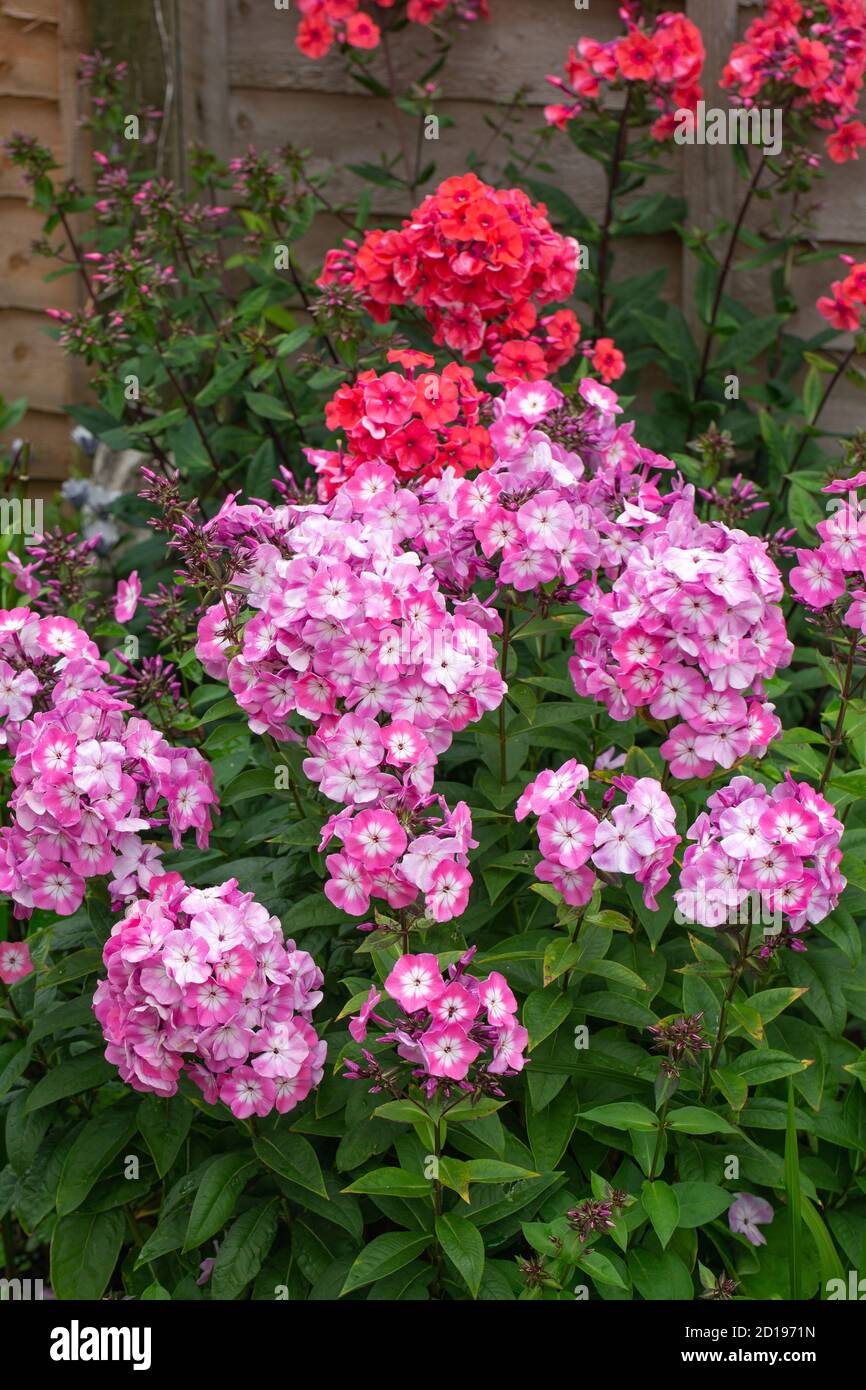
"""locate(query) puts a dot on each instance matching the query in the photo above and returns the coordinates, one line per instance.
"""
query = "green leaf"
(662, 1207)
(493, 1170)
(267, 407)
(792, 1189)
(462, 1244)
(222, 1182)
(72, 967)
(747, 342)
(543, 1012)
(84, 1251)
(222, 382)
(392, 1182)
(384, 1255)
(694, 1119)
(819, 973)
(550, 1129)
(70, 1079)
(101, 1139)
(659, 1276)
(164, 1124)
(759, 1067)
(600, 1268)
(828, 1256)
(75, 1013)
(167, 1237)
(293, 1157)
(242, 1253)
(290, 342)
(623, 1114)
(813, 390)
(700, 1202)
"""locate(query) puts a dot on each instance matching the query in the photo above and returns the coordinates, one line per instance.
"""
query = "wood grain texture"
(22, 271)
(52, 451)
(204, 74)
(28, 59)
(522, 42)
(349, 130)
(34, 366)
(33, 11)
(30, 116)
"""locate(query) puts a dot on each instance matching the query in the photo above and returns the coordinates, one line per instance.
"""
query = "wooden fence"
(234, 77)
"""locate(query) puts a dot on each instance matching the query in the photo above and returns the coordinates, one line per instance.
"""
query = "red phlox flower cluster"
(781, 844)
(458, 1032)
(478, 261)
(418, 421)
(637, 837)
(690, 629)
(326, 22)
(812, 56)
(206, 974)
(843, 306)
(666, 60)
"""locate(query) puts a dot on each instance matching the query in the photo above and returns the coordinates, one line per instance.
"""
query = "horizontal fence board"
(33, 11)
(28, 59)
(350, 130)
(51, 449)
(522, 42)
(34, 365)
(22, 271)
(27, 116)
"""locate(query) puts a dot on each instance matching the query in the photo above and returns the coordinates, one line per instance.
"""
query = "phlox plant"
(433, 863)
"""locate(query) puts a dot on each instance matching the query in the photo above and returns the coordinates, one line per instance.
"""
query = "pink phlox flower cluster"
(836, 569)
(775, 848)
(689, 630)
(563, 498)
(42, 661)
(349, 620)
(456, 1031)
(205, 974)
(87, 782)
(15, 962)
(397, 848)
(637, 837)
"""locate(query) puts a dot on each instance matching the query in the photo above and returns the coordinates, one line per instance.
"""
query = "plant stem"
(619, 150)
(844, 697)
(8, 1248)
(736, 972)
(503, 666)
(804, 438)
(720, 285)
(663, 1114)
(435, 1287)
